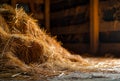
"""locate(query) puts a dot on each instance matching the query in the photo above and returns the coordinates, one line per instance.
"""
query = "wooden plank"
(35, 3)
(104, 48)
(109, 26)
(25, 1)
(72, 29)
(66, 4)
(55, 1)
(13, 3)
(110, 37)
(74, 38)
(39, 16)
(77, 48)
(106, 26)
(38, 1)
(70, 20)
(69, 12)
(109, 48)
(47, 15)
(94, 25)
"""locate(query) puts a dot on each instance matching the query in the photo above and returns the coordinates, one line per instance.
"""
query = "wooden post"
(13, 2)
(94, 26)
(47, 14)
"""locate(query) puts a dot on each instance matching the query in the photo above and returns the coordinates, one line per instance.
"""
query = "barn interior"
(89, 28)
(82, 26)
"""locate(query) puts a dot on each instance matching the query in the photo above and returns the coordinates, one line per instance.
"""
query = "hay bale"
(23, 41)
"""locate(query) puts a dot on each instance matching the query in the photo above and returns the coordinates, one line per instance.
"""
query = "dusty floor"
(74, 76)
(104, 73)
(93, 76)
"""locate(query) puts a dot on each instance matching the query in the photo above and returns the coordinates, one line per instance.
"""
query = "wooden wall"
(109, 38)
(70, 21)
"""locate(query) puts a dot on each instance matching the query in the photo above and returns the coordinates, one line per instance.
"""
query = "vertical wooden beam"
(13, 2)
(94, 25)
(47, 14)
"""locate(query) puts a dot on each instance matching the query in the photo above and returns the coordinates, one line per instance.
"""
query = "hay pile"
(25, 45)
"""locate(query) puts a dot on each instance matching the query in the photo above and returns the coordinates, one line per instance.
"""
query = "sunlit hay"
(3, 41)
(3, 24)
(30, 49)
(28, 44)
(104, 64)
(14, 60)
